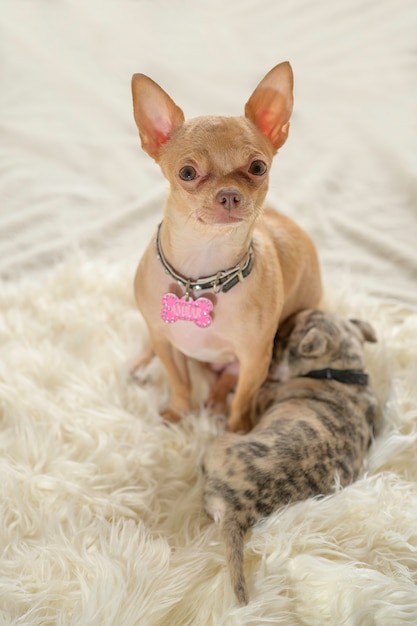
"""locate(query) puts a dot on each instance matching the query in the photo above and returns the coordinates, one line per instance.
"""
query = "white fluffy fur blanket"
(101, 520)
(101, 515)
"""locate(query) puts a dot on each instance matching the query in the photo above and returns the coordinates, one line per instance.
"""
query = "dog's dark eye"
(188, 172)
(257, 168)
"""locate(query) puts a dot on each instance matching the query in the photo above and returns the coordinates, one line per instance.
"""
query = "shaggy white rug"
(101, 515)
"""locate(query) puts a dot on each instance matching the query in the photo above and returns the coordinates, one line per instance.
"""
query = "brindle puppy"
(312, 429)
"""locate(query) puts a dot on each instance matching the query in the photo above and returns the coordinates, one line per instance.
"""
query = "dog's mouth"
(219, 219)
(214, 216)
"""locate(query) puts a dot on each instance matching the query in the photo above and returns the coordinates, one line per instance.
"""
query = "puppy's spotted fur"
(308, 432)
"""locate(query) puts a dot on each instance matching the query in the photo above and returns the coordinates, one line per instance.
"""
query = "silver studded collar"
(222, 281)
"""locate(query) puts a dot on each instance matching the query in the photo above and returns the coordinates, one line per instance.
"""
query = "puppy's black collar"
(222, 281)
(349, 377)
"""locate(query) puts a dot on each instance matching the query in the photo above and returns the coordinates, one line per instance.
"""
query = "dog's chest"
(201, 344)
(212, 340)
(204, 327)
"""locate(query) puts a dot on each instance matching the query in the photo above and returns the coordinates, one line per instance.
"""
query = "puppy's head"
(313, 340)
(217, 167)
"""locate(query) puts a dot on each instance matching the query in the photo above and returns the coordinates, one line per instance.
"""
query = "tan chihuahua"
(222, 271)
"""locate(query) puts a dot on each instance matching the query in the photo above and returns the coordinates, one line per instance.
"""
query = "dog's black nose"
(229, 198)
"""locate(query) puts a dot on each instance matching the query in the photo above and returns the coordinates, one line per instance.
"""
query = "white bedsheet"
(72, 172)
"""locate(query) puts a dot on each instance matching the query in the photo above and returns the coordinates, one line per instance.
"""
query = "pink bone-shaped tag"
(186, 309)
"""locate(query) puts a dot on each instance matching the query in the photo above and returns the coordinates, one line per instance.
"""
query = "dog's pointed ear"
(367, 331)
(313, 344)
(156, 114)
(270, 105)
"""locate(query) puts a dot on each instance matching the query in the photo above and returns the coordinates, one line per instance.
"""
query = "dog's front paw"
(242, 425)
(171, 415)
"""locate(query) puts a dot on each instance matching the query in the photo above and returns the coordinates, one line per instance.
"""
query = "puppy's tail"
(233, 533)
